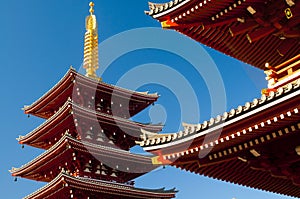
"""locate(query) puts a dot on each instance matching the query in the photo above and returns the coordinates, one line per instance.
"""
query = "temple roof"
(285, 95)
(253, 31)
(64, 150)
(45, 106)
(64, 120)
(254, 145)
(66, 185)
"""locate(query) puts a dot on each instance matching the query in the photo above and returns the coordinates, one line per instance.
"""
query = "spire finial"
(91, 62)
(92, 7)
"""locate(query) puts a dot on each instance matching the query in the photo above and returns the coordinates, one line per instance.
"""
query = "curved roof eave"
(251, 108)
(69, 105)
(161, 9)
(68, 140)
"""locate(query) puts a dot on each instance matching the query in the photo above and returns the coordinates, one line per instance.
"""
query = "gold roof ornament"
(91, 60)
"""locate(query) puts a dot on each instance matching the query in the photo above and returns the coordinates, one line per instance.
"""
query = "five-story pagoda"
(87, 135)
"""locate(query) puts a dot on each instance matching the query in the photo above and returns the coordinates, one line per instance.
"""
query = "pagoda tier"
(89, 125)
(255, 145)
(253, 31)
(82, 159)
(91, 94)
(67, 186)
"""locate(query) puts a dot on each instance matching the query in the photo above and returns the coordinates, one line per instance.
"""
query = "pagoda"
(87, 136)
(257, 143)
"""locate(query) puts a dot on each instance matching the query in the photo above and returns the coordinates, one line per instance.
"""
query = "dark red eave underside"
(237, 172)
(258, 54)
(242, 168)
(215, 34)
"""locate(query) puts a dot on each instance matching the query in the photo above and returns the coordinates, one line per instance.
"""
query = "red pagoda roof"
(253, 31)
(255, 145)
(46, 106)
(68, 186)
(65, 120)
(68, 150)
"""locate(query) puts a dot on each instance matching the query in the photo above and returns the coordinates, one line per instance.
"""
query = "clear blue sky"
(41, 39)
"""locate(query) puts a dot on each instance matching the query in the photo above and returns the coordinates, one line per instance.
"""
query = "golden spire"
(91, 61)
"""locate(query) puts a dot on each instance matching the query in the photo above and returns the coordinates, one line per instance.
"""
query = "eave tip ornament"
(91, 60)
(168, 24)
